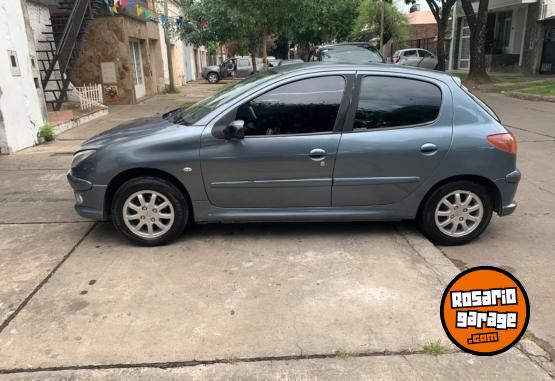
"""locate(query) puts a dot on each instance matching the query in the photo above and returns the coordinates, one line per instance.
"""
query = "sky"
(405, 8)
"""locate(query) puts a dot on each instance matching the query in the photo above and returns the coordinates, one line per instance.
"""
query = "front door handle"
(317, 154)
(428, 149)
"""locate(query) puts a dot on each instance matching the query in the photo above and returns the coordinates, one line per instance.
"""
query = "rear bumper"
(89, 198)
(508, 209)
(507, 188)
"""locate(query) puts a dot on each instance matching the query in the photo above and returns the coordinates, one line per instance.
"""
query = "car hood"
(211, 68)
(135, 129)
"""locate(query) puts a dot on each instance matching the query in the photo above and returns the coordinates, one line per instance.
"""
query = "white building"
(22, 106)
(520, 36)
(187, 60)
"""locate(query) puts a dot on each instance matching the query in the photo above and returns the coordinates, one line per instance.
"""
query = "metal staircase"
(60, 49)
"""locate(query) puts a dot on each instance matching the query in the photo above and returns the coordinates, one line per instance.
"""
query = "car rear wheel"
(456, 213)
(150, 211)
(212, 78)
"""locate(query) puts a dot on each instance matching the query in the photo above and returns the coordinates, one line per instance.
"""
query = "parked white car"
(415, 57)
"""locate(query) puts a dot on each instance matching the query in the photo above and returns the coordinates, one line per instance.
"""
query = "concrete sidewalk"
(263, 301)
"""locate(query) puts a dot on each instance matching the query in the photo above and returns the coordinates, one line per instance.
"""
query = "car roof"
(314, 67)
(347, 45)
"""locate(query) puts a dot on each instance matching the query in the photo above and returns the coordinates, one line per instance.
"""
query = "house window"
(14, 65)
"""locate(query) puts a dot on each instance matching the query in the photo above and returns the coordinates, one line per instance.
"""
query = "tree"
(368, 23)
(441, 11)
(477, 24)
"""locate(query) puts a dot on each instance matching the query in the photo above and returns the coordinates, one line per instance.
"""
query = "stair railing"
(66, 45)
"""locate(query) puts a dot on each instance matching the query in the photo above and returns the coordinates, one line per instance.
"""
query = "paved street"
(261, 301)
(524, 243)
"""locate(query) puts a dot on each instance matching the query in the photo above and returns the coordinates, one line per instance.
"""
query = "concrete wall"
(22, 110)
(183, 66)
(108, 40)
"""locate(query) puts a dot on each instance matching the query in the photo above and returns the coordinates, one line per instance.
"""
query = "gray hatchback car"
(309, 142)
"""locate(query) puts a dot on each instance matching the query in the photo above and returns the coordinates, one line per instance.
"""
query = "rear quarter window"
(394, 102)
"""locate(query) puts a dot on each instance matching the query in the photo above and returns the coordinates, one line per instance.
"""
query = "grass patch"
(344, 355)
(231, 359)
(434, 348)
(545, 88)
(46, 132)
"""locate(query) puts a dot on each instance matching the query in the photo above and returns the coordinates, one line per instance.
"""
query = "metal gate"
(548, 54)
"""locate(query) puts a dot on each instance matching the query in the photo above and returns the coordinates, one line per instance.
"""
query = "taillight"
(505, 142)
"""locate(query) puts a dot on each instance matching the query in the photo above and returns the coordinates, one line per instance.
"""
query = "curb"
(444, 269)
(529, 97)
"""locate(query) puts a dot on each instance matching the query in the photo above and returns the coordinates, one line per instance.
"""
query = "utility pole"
(452, 45)
(168, 49)
(381, 28)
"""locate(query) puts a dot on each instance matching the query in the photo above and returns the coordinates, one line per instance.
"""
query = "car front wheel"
(150, 211)
(456, 213)
(212, 78)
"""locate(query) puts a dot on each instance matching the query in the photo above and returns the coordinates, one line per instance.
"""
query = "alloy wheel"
(148, 214)
(459, 213)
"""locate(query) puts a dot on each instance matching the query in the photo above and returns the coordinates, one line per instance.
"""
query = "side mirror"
(235, 130)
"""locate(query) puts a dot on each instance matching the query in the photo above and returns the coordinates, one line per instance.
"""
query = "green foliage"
(367, 24)
(46, 132)
(434, 348)
(244, 24)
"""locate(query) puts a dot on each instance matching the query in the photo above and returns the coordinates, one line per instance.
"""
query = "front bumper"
(89, 198)
(507, 188)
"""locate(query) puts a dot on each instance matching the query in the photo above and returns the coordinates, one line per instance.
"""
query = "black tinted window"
(410, 53)
(301, 107)
(394, 102)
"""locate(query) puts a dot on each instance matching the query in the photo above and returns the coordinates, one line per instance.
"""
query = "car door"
(428, 60)
(244, 67)
(410, 58)
(287, 156)
(398, 131)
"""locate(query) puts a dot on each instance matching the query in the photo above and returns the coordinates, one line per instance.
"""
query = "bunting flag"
(123, 4)
(115, 10)
(163, 18)
(140, 10)
(147, 14)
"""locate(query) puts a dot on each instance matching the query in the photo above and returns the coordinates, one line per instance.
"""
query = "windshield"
(190, 116)
(354, 55)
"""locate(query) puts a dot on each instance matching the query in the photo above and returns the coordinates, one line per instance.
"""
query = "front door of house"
(137, 69)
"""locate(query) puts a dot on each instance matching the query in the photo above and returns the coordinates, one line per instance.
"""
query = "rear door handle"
(317, 154)
(428, 149)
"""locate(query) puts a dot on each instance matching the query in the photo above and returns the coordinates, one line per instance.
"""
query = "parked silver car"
(415, 57)
(312, 142)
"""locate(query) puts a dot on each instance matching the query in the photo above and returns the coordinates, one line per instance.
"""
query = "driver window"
(301, 107)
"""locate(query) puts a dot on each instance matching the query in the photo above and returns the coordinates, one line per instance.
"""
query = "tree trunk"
(441, 26)
(253, 60)
(477, 70)
(477, 24)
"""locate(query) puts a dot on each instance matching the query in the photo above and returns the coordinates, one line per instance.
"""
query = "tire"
(173, 216)
(476, 215)
(212, 78)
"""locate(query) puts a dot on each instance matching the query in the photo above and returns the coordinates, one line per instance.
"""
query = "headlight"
(80, 156)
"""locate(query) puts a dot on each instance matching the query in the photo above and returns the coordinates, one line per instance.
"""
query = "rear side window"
(410, 53)
(243, 62)
(386, 102)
